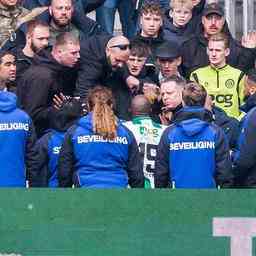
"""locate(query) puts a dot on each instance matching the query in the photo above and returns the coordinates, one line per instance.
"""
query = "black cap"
(213, 8)
(168, 50)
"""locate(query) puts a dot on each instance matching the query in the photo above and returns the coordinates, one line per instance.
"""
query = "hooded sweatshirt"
(37, 87)
(195, 140)
(17, 150)
(49, 145)
(88, 160)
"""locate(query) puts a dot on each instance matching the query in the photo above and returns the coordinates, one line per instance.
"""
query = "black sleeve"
(135, 165)
(246, 157)
(162, 162)
(31, 158)
(223, 167)
(66, 161)
(88, 75)
(42, 162)
(246, 57)
(233, 134)
(35, 99)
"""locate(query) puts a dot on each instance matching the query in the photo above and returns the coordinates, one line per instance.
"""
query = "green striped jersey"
(147, 134)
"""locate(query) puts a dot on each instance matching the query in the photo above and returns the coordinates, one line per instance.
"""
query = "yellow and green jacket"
(225, 85)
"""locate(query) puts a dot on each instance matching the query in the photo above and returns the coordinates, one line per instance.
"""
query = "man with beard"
(61, 20)
(12, 17)
(194, 50)
(101, 59)
(46, 78)
(37, 37)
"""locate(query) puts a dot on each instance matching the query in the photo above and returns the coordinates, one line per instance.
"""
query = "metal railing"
(240, 16)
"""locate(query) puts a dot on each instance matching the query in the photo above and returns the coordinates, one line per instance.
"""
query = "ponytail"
(101, 104)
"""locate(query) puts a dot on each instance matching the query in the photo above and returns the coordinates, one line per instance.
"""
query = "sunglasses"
(122, 47)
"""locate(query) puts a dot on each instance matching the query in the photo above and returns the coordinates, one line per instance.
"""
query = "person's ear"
(50, 10)
(207, 50)
(171, 13)
(227, 52)
(179, 61)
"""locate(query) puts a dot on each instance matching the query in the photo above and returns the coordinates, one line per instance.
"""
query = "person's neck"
(2, 84)
(28, 51)
(219, 66)
(147, 36)
(57, 27)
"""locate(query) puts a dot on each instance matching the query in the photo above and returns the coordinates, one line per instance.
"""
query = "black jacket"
(94, 68)
(122, 93)
(151, 42)
(245, 156)
(194, 54)
(230, 125)
(250, 102)
(37, 87)
(23, 62)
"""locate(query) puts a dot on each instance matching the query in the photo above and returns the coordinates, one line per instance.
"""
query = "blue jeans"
(105, 16)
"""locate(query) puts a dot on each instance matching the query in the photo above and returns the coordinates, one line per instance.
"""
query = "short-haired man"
(177, 26)
(37, 37)
(224, 83)
(42, 81)
(249, 91)
(101, 58)
(7, 71)
(244, 157)
(151, 21)
(62, 20)
(131, 82)
(12, 16)
(168, 57)
(194, 50)
(195, 140)
(147, 134)
(171, 96)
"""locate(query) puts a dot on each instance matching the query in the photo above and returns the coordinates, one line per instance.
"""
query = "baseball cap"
(168, 50)
(213, 8)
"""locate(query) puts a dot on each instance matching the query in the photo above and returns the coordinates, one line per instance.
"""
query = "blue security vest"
(14, 131)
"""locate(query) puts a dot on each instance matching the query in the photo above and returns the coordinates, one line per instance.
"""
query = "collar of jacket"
(150, 40)
(193, 112)
(216, 69)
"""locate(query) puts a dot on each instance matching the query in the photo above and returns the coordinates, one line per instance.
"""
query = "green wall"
(113, 222)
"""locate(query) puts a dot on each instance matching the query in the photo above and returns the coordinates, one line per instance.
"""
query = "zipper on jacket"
(218, 78)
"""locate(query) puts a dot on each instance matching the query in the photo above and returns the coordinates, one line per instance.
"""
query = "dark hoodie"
(250, 102)
(88, 160)
(195, 140)
(181, 34)
(49, 146)
(230, 125)
(39, 84)
(194, 53)
(17, 148)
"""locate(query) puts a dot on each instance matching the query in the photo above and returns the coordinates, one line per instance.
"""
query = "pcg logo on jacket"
(223, 98)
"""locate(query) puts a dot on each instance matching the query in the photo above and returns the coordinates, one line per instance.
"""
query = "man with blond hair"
(223, 82)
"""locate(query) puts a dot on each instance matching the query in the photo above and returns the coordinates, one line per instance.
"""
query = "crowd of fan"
(170, 103)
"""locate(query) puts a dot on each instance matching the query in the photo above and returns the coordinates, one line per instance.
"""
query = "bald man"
(101, 59)
(147, 134)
